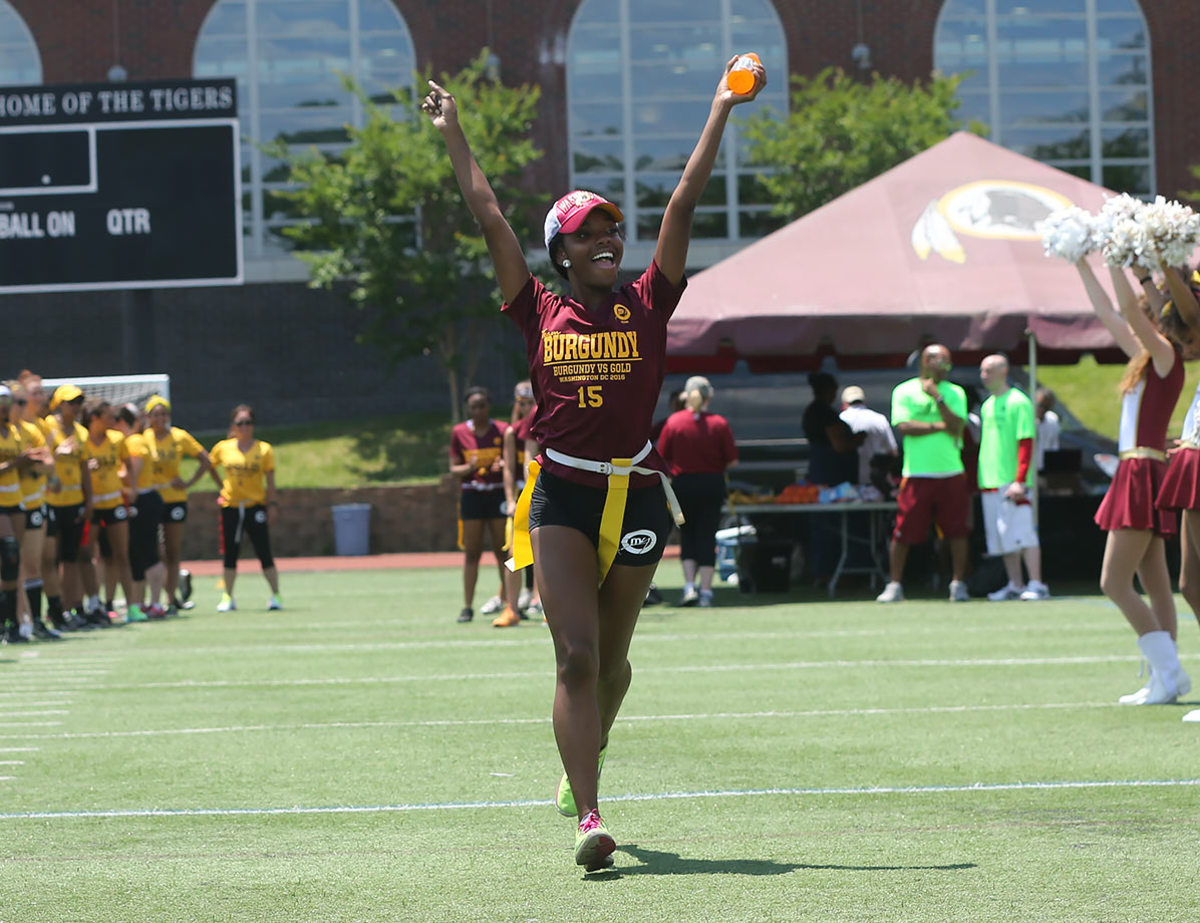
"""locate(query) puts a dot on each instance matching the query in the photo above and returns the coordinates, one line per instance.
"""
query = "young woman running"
(166, 447)
(594, 511)
(247, 501)
(1136, 527)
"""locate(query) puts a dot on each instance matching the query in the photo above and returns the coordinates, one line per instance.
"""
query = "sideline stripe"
(691, 668)
(19, 749)
(476, 722)
(657, 796)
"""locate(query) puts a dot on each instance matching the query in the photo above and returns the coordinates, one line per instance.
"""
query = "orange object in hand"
(741, 78)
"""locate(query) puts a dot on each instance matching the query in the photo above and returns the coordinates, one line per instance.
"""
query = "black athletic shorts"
(646, 527)
(35, 518)
(481, 504)
(174, 512)
(110, 516)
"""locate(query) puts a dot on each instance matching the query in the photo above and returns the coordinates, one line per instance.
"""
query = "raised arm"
(676, 232)
(1183, 297)
(508, 258)
(1162, 353)
(1101, 304)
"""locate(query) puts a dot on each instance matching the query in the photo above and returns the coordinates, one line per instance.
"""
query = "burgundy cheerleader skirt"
(1129, 503)
(1180, 488)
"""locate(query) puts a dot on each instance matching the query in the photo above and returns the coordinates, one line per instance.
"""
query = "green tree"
(841, 132)
(385, 217)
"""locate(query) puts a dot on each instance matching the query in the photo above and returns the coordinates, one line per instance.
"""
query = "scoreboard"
(120, 185)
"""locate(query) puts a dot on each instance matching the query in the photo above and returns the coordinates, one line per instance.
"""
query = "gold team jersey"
(164, 456)
(106, 478)
(10, 478)
(245, 480)
(136, 444)
(33, 483)
(65, 488)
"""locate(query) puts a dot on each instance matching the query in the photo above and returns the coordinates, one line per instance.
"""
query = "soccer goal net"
(116, 389)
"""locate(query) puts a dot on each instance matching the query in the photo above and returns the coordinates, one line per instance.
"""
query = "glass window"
(20, 63)
(288, 57)
(1066, 82)
(640, 80)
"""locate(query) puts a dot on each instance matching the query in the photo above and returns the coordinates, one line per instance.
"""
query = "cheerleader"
(1136, 527)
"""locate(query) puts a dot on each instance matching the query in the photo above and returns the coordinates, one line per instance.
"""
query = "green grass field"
(361, 757)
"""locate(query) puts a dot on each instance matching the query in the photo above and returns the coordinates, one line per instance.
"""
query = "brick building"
(1096, 87)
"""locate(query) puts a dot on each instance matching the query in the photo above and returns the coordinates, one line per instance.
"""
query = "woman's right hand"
(440, 106)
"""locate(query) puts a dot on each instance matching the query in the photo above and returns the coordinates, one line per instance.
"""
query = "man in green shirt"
(929, 413)
(1007, 430)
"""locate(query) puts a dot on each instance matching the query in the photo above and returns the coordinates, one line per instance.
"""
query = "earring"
(566, 264)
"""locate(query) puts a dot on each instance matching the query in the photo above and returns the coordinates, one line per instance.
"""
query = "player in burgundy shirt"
(596, 361)
(1136, 528)
(477, 456)
(514, 480)
(698, 445)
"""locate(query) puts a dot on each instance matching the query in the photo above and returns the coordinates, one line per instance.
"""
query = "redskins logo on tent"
(996, 209)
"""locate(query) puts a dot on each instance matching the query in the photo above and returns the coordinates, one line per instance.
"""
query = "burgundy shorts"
(924, 501)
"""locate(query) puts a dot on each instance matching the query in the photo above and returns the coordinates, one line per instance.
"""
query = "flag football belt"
(1143, 452)
(617, 471)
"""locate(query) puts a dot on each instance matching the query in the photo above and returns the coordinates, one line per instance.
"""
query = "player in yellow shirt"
(107, 459)
(69, 504)
(15, 457)
(41, 573)
(247, 501)
(167, 446)
(33, 512)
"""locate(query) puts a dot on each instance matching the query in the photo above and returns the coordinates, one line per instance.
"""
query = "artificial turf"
(360, 756)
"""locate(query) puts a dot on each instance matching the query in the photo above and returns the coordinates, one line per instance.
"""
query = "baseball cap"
(569, 212)
(5, 391)
(64, 394)
(852, 394)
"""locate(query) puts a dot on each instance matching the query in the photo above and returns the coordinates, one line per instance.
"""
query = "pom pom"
(1123, 238)
(1172, 230)
(1068, 233)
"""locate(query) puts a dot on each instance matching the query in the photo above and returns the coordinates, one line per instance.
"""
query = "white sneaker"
(892, 593)
(492, 606)
(226, 604)
(524, 598)
(274, 604)
(1193, 715)
(1035, 590)
(1135, 698)
(958, 592)
(1161, 691)
(1006, 592)
(1183, 682)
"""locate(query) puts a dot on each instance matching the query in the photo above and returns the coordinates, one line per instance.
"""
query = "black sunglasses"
(243, 422)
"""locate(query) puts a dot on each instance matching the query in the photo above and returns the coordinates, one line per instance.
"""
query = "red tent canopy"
(940, 248)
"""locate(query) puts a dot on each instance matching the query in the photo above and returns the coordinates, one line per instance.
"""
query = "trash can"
(352, 528)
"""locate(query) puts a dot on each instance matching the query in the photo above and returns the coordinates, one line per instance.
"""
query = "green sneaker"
(564, 798)
(594, 845)
(135, 614)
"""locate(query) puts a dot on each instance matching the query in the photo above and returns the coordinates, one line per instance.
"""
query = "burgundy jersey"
(596, 376)
(697, 443)
(481, 449)
(1146, 409)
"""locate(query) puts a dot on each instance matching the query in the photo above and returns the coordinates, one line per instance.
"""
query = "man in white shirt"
(862, 419)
